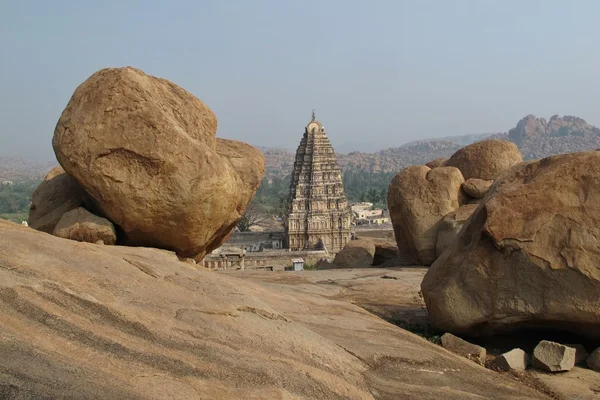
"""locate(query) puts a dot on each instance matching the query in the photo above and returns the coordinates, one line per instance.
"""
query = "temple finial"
(313, 115)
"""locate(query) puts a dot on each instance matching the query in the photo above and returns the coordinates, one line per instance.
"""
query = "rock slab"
(463, 348)
(514, 360)
(145, 150)
(81, 225)
(553, 357)
(418, 198)
(525, 258)
(86, 322)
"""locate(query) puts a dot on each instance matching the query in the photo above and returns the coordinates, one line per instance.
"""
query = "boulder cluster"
(429, 203)
(547, 356)
(511, 245)
(140, 165)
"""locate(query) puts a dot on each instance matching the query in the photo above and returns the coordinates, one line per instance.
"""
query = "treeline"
(359, 185)
(362, 185)
(16, 198)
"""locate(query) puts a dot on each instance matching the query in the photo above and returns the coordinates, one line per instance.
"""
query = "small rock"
(516, 359)
(580, 352)
(553, 357)
(100, 242)
(476, 188)
(593, 360)
(464, 348)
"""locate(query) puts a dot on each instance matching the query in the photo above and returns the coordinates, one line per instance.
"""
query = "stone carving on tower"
(318, 214)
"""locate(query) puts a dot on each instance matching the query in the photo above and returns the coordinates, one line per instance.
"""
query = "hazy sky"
(379, 73)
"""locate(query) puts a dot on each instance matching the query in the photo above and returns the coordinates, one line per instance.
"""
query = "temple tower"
(318, 215)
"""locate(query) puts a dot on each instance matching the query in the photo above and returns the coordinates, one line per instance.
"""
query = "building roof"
(297, 260)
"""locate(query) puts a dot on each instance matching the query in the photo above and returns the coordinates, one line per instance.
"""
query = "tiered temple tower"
(318, 212)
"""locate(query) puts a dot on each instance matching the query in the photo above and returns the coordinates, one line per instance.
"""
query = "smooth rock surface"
(529, 256)
(463, 348)
(57, 194)
(85, 321)
(486, 159)
(418, 198)
(81, 225)
(356, 254)
(476, 188)
(514, 360)
(553, 357)
(145, 150)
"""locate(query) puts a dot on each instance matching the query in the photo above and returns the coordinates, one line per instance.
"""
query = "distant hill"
(536, 138)
(17, 169)
(539, 138)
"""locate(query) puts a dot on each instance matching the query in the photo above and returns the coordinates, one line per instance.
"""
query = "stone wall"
(263, 260)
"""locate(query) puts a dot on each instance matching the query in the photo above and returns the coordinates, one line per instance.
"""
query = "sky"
(379, 73)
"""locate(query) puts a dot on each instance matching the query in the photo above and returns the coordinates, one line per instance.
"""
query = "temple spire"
(313, 115)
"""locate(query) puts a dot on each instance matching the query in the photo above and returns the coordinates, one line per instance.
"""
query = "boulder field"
(83, 321)
(141, 152)
(424, 199)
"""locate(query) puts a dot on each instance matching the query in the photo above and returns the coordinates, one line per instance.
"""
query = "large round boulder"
(529, 256)
(486, 159)
(57, 194)
(418, 198)
(145, 151)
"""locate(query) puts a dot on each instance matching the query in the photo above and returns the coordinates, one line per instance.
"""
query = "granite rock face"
(145, 151)
(418, 198)
(528, 257)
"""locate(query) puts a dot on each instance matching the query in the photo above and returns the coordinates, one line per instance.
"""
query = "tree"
(252, 216)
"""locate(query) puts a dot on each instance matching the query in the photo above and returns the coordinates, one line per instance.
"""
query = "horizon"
(379, 74)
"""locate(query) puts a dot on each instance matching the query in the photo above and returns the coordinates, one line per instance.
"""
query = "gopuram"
(318, 214)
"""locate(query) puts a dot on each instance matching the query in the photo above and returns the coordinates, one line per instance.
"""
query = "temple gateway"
(318, 214)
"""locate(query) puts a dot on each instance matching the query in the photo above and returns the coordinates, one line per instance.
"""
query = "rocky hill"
(538, 138)
(18, 169)
(535, 137)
